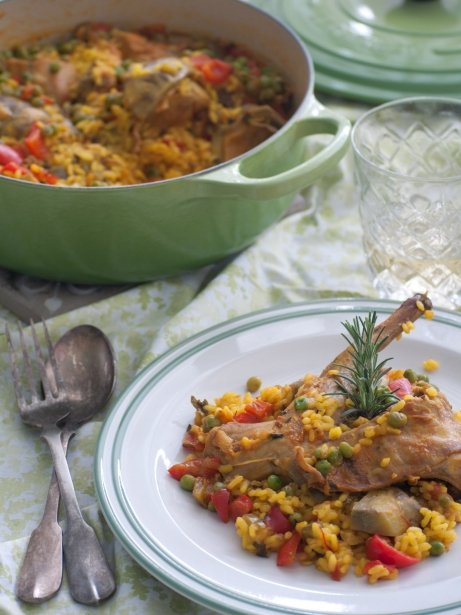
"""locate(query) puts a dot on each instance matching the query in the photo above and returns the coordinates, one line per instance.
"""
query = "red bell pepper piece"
(377, 548)
(255, 412)
(205, 467)
(287, 553)
(214, 70)
(35, 143)
(220, 500)
(8, 154)
(277, 521)
(242, 505)
(45, 177)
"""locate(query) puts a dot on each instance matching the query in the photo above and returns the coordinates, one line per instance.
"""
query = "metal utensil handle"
(88, 573)
(40, 575)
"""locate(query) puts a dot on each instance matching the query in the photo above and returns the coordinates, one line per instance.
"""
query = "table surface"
(304, 257)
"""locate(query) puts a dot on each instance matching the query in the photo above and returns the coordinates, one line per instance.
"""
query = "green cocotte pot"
(137, 233)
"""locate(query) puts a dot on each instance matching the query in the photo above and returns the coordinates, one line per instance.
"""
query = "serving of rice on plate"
(235, 470)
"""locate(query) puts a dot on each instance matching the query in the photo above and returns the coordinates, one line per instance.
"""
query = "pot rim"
(307, 98)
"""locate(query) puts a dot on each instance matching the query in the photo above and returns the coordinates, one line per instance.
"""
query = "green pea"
(21, 53)
(267, 94)
(253, 384)
(321, 452)
(397, 419)
(209, 422)
(296, 517)
(289, 489)
(346, 450)
(323, 466)
(54, 67)
(150, 171)
(300, 404)
(422, 377)
(274, 482)
(445, 500)
(187, 482)
(437, 548)
(265, 81)
(36, 102)
(49, 130)
(218, 485)
(334, 456)
(410, 375)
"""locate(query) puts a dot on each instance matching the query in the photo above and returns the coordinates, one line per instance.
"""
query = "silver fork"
(89, 575)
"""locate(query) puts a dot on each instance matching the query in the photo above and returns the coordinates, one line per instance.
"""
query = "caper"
(397, 419)
(209, 422)
(187, 482)
(300, 404)
(323, 466)
(437, 548)
(346, 450)
(274, 482)
(253, 384)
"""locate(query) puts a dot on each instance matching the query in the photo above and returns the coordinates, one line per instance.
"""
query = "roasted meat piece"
(428, 444)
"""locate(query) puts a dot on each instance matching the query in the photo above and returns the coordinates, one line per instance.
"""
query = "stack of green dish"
(378, 50)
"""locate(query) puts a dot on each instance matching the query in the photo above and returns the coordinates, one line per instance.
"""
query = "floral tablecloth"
(306, 256)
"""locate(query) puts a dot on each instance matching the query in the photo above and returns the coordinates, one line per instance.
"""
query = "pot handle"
(237, 176)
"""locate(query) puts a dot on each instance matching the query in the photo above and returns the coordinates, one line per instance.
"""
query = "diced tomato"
(287, 553)
(35, 143)
(13, 168)
(401, 387)
(214, 70)
(255, 411)
(242, 505)
(191, 442)
(377, 548)
(8, 154)
(27, 91)
(205, 467)
(220, 499)
(45, 177)
(277, 521)
(336, 575)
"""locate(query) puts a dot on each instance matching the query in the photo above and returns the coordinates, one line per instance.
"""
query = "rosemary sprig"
(364, 376)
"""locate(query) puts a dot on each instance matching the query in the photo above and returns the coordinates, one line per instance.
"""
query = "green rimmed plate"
(189, 549)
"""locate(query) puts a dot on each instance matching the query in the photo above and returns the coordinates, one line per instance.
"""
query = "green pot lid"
(381, 49)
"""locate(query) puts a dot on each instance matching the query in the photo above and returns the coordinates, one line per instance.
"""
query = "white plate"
(187, 547)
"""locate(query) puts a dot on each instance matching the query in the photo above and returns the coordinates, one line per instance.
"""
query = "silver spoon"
(87, 369)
